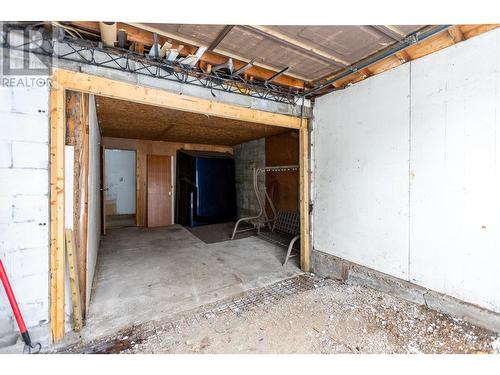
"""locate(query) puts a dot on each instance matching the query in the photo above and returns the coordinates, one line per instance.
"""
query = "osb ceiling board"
(254, 46)
(124, 119)
(349, 43)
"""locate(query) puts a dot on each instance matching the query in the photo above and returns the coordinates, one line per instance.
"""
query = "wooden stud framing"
(63, 80)
(57, 256)
(305, 240)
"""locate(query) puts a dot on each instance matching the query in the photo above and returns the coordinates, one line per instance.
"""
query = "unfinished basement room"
(249, 188)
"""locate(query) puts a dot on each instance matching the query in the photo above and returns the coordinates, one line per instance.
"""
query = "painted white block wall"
(407, 170)
(120, 179)
(24, 207)
(455, 171)
(361, 172)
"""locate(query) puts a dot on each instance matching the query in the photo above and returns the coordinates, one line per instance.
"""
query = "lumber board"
(140, 94)
(57, 253)
(304, 171)
(74, 280)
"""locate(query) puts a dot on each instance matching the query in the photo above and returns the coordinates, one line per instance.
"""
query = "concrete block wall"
(406, 172)
(247, 156)
(24, 208)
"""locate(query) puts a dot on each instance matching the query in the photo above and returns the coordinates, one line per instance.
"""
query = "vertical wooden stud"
(304, 198)
(57, 258)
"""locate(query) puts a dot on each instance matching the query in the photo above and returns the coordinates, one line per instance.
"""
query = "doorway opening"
(119, 193)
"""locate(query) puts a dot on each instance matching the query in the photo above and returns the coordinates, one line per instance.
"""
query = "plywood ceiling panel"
(254, 46)
(350, 43)
(123, 119)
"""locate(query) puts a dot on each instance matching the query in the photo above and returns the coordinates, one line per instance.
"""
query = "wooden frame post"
(305, 239)
(57, 253)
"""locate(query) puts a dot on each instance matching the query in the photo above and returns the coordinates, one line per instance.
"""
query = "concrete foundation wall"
(407, 174)
(248, 155)
(24, 208)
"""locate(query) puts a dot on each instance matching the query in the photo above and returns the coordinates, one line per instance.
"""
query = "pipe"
(408, 41)
(108, 33)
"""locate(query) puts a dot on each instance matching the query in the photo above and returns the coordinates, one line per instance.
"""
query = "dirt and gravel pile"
(333, 318)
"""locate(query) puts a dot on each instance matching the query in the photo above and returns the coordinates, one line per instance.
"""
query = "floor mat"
(213, 233)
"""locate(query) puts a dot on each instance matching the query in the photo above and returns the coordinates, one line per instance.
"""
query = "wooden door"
(159, 212)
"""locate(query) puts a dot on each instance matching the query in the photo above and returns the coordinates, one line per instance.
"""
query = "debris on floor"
(303, 314)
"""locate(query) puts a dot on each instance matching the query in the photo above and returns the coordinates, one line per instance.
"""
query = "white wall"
(362, 173)
(407, 177)
(94, 197)
(120, 180)
(24, 206)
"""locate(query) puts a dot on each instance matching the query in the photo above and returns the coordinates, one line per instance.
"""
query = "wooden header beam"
(140, 94)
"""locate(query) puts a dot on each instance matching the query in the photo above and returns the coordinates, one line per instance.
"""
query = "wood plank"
(305, 241)
(74, 283)
(145, 95)
(159, 191)
(57, 253)
(470, 31)
(283, 187)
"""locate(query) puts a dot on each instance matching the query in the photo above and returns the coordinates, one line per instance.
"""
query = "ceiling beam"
(220, 37)
(297, 44)
(388, 32)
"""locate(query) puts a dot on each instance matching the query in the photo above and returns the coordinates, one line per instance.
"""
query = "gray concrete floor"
(146, 274)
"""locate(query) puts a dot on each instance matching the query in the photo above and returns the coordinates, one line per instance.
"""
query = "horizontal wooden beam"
(57, 253)
(140, 94)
